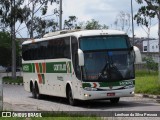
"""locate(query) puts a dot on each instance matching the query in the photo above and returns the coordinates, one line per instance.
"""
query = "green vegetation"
(147, 83)
(57, 115)
(67, 118)
(151, 64)
(6, 51)
(10, 80)
(53, 118)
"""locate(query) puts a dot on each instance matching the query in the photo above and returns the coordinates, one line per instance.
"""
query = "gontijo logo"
(25, 68)
(126, 83)
(59, 67)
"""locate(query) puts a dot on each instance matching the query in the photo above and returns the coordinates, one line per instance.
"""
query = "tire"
(114, 100)
(33, 91)
(37, 94)
(70, 98)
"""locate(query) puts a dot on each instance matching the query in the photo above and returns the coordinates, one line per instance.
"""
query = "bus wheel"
(114, 100)
(37, 95)
(70, 97)
(33, 91)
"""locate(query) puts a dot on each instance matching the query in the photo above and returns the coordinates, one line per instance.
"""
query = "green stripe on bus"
(51, 67)
(33, 67)
(107, 84)
(56, 67)
(43, 78)
(86, 85)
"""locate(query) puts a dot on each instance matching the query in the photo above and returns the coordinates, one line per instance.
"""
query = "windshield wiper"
(105, 73)
(110, 71)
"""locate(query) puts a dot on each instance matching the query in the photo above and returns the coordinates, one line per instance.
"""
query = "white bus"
(80, 65)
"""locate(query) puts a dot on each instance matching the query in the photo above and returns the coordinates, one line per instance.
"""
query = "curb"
(13, 83)
(147, 96)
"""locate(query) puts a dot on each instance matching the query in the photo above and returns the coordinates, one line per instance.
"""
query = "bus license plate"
(110, 94)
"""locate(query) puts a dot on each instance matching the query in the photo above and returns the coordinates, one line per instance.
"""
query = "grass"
(10, 80)
(147, 83)
(56, 116)
(67, 118)
(53, 118)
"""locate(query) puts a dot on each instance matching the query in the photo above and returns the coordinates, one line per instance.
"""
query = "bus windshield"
(104, 42)
(107, 58)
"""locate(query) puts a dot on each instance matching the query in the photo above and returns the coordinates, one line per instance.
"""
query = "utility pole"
(32, 16)
(60, 15)
(13, 37)
(159, 45)
(132, 22)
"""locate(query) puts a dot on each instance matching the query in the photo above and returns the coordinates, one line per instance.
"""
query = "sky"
(104, 11)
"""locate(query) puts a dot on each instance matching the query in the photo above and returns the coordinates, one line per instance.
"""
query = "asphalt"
(157, 97)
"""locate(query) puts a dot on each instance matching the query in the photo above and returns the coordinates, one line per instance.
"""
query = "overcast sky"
(104, 11)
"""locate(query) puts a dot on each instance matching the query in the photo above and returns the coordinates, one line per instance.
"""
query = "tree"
(70, 23)
(25, 14)
(39, 25)
(5, 48)
(12, 11)
(93, 24)
(150, 64)
(150, 10)
(123, 21)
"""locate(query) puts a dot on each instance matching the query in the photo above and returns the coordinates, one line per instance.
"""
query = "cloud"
(104, 11)
(140, 32)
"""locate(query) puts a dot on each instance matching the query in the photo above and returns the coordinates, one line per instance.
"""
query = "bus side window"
(75, 57)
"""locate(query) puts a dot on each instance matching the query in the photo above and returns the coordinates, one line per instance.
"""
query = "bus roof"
(76, 33)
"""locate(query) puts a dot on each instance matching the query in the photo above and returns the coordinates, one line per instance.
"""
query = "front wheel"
(114, 100)
(70, 98)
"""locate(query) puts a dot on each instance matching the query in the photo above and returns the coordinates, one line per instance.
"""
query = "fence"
(140, 66)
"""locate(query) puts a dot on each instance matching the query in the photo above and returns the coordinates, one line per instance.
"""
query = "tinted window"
(103, 42)
(51, 49)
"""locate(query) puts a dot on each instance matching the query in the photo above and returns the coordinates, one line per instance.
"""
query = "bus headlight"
(90, 89)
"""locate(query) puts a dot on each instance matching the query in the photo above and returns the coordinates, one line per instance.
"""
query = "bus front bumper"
(93, 95)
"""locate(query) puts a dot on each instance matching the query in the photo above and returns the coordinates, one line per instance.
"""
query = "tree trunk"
(13, 37)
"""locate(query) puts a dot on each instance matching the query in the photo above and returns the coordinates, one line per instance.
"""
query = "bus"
(80, 65)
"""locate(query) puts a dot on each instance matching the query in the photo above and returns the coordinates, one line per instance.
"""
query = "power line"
(48, 15)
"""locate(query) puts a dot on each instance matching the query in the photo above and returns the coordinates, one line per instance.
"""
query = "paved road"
(21, 100)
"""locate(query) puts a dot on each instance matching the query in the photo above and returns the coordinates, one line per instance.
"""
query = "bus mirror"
(138, 58)
(80, 57)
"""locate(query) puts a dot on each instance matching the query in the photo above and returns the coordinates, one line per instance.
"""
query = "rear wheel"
(33, 91)
(114, 100)
(37, 94)
(70, 98)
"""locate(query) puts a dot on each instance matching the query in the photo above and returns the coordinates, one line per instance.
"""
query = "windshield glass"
(103, 42)
(109, 62)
